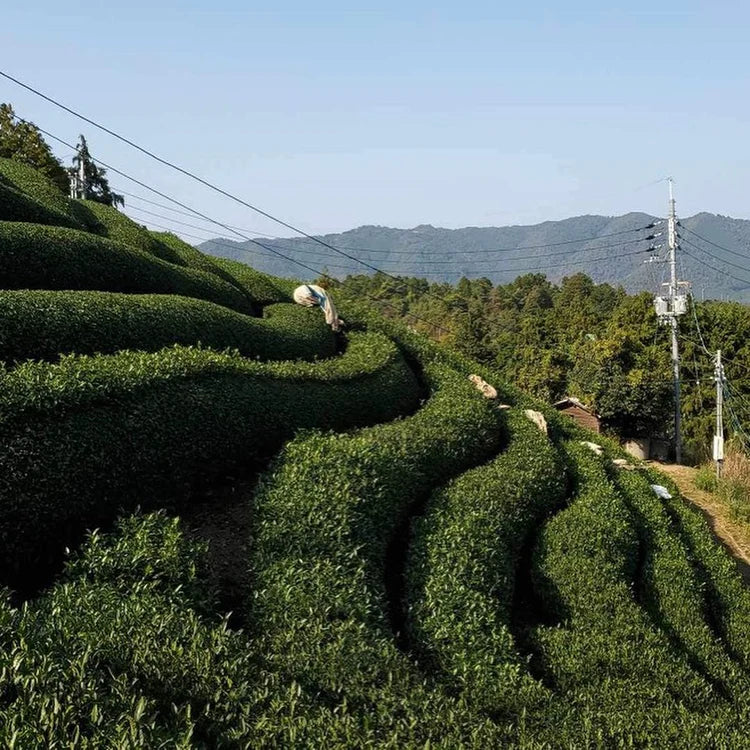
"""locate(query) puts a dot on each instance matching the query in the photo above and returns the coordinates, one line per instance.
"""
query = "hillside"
(447, 254)
(423, 566)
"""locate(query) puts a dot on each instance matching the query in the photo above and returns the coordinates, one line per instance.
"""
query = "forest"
(587, 340)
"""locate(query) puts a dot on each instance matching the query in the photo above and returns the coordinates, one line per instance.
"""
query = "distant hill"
(611, 252)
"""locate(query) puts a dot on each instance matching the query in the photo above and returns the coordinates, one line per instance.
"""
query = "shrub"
(115, 225)
(705, 478)
(606, 658)
(261, 287)
(462, 570)
(671, 591)
(42, 325)
(37, 186)
(15, 205)
(326, 517)
(94, 433)
(40, 257)
(117, 656)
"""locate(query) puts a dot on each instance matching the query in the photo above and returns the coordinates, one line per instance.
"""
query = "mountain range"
(714, 252)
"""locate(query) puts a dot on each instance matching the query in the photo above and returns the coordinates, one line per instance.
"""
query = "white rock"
(593, 447)
(537, 418)
(484, 387)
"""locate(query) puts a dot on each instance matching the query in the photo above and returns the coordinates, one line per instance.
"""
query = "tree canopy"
(96, 186)
(578, 338)
(22, 141)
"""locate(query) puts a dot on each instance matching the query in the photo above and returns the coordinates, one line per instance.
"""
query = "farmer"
(311, 295)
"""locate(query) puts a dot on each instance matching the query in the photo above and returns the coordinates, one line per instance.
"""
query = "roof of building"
(572, 401)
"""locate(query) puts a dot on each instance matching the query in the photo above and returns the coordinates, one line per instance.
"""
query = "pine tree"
(23, 142)
(96, 186)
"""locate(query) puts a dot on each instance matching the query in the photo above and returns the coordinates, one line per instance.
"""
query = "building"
(584, 415)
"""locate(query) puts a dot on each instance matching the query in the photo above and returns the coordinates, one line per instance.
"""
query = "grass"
(733, 486)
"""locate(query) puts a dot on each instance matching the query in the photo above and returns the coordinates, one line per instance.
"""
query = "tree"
(23, 142)
(626, 382)
(96, 186)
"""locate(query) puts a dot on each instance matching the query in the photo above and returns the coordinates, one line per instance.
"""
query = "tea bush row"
(27, 195)
(17, 206)
(40, 257)
(43, 325)
(187, 255)
(672, 593)
(606, 657)
(107, 221)
(325, 519)
(462, 570)
(264, 289)
(91, 434)
(726, 593)
(121, 653)
(115, 225)
(40, 199)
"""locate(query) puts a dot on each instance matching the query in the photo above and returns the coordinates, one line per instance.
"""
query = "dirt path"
(735, 537)
(221, 517)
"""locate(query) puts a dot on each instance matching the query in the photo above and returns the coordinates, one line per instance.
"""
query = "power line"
(210, 185)
(715, 244)
(714, 268)
(714, 256)
(173, 200)
(744, 437)
(236, 246)
(421, 264)
(353, 269)
(186, 213)
(373, 250)
(220, 224)
(185, 172)
(509, 249)
(697, 325)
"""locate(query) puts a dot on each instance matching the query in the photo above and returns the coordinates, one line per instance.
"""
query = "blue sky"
(332, 115)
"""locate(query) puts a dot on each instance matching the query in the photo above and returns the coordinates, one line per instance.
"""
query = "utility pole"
(78, 179)
(675, 346)
(82, 176)
(719, 433)
(668, 308)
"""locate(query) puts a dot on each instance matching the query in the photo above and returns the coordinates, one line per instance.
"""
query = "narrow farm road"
(734, 536)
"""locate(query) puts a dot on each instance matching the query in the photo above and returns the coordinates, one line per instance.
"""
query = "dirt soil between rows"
(734, 536)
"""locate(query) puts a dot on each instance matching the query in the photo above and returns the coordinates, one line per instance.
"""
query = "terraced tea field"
(422, 568)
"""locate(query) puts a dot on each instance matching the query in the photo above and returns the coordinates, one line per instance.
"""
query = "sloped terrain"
(421, 568)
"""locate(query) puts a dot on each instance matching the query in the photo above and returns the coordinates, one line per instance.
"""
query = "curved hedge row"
(727, 596)
(107, 221)
(324, 518)
(607, 658)
(462, 570)
(117, 655)
(263, 288)
(17, 205)
(672, 594)
(33, 256)
(90, 434)
(42, 325)
(194, 258)
(39, 188)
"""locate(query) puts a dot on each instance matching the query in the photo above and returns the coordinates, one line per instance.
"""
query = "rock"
(537, 418)
(593, 447)
(485, 388)
(622, 463)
